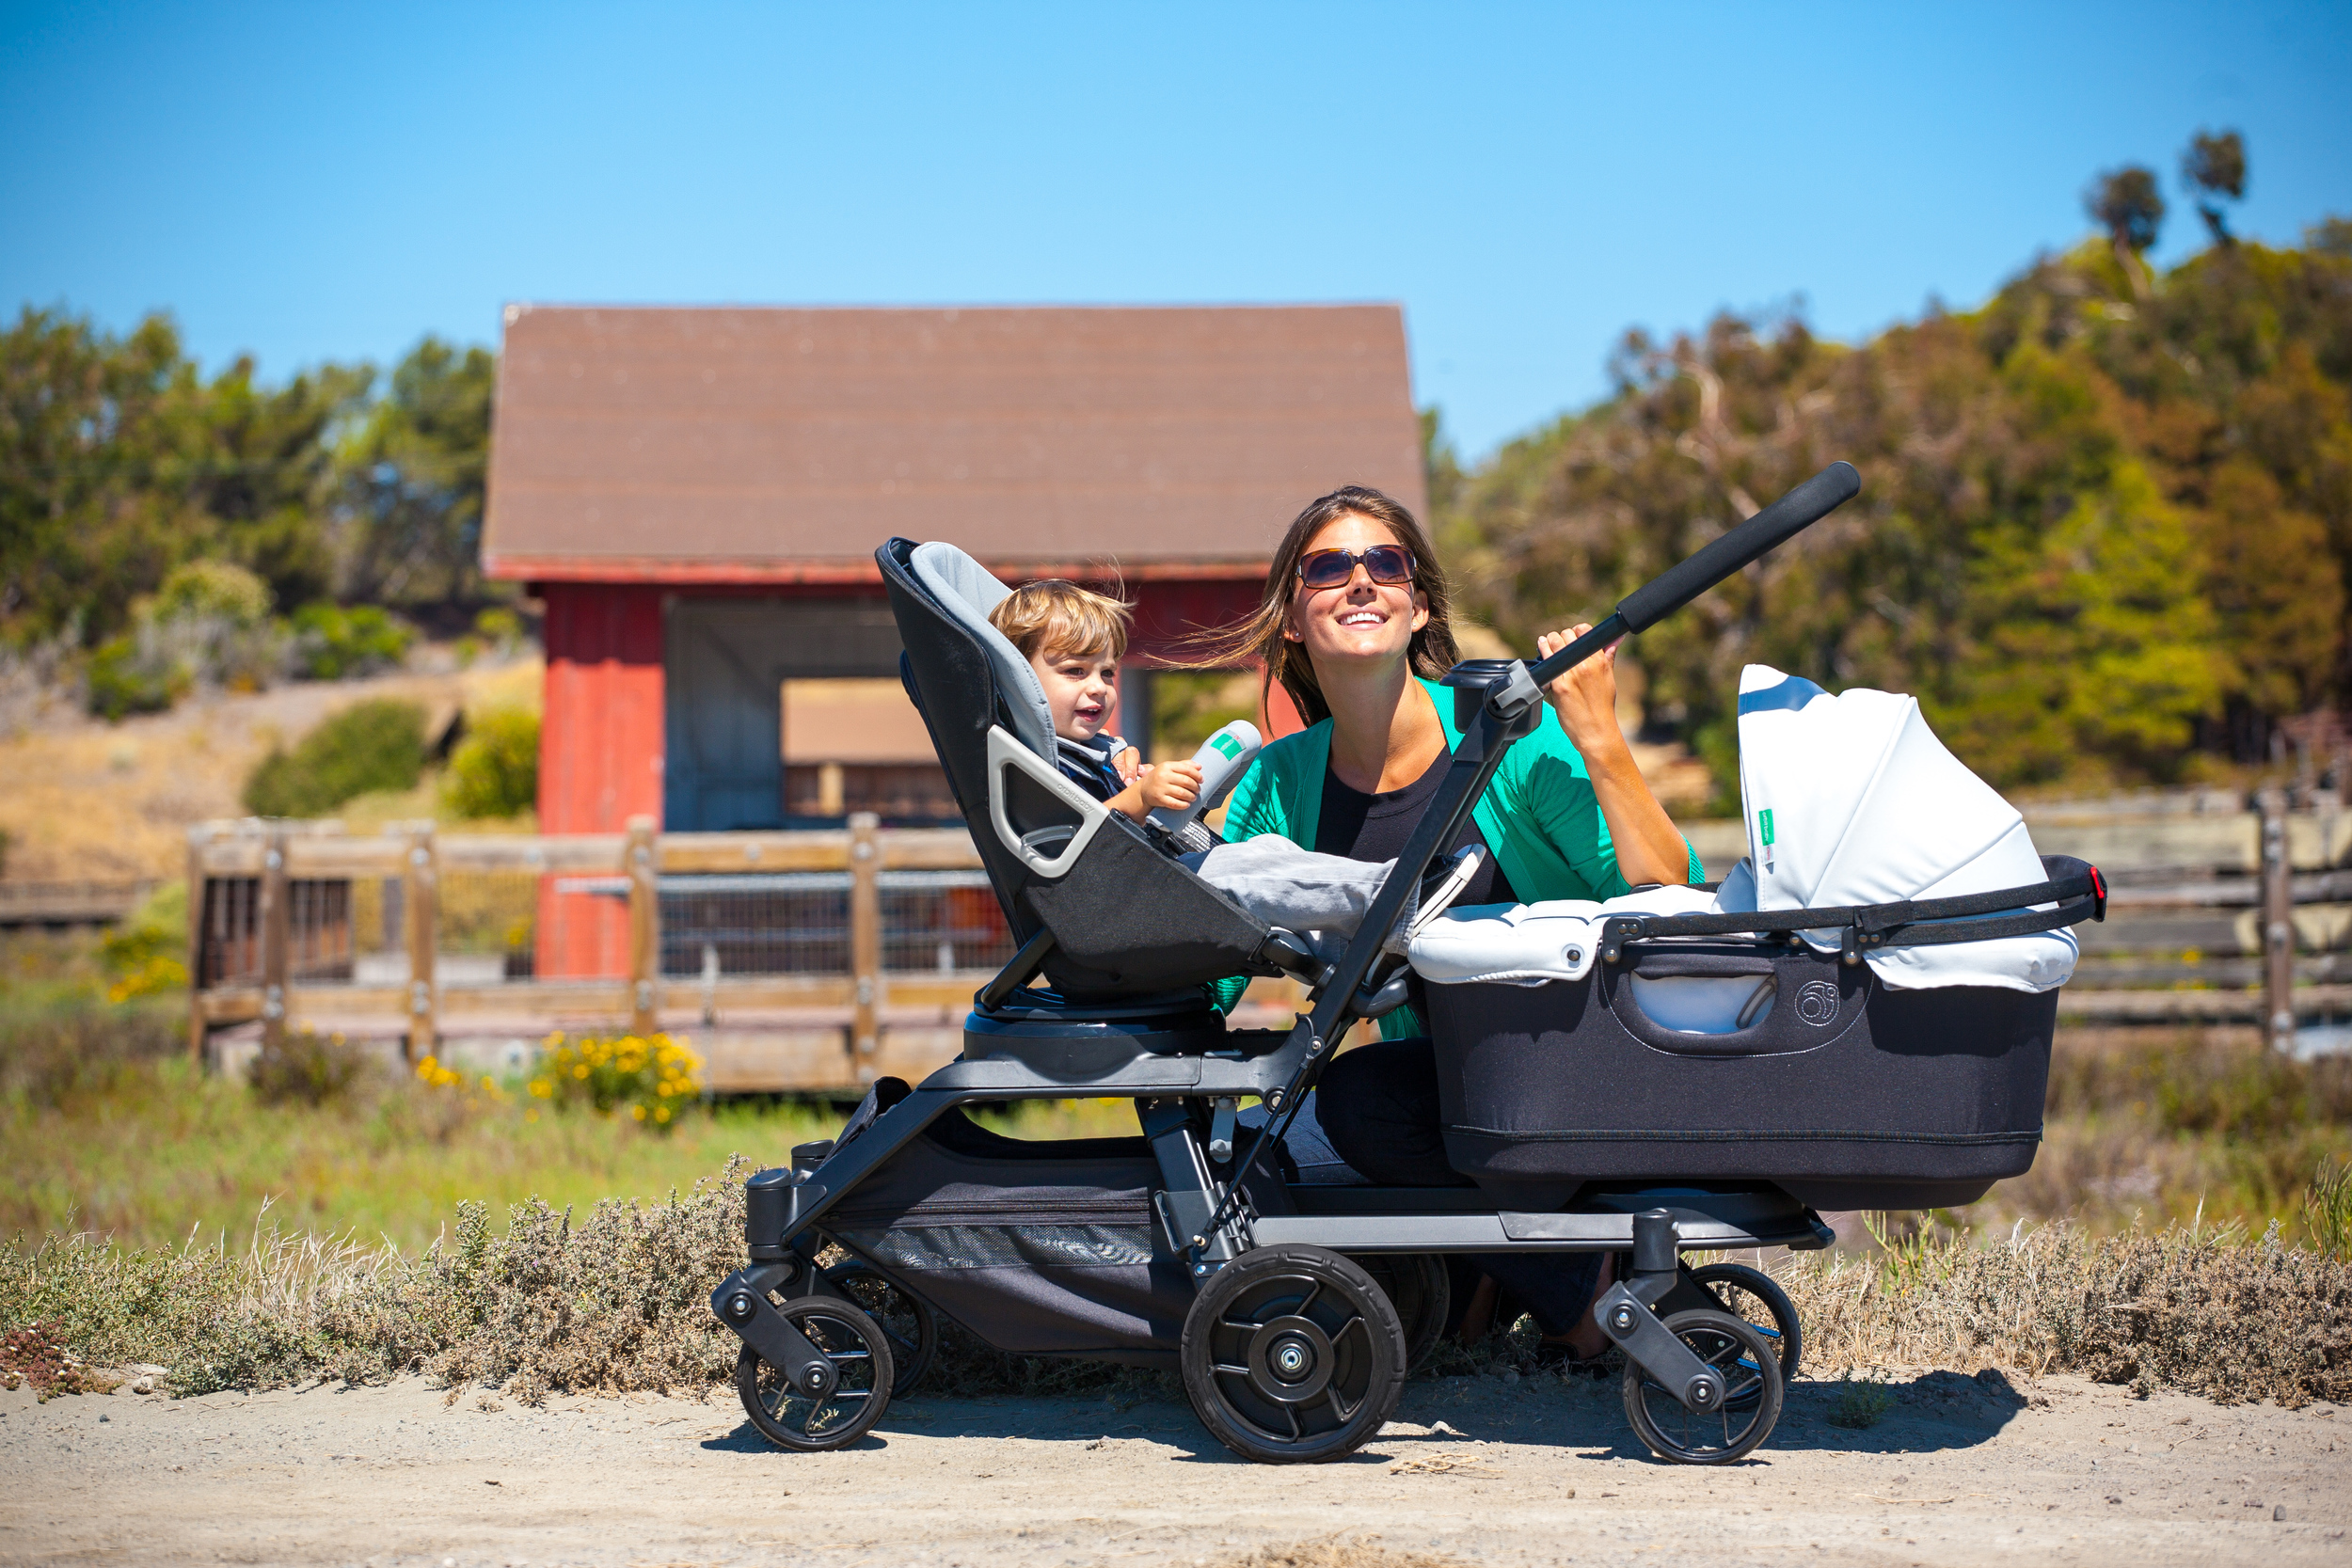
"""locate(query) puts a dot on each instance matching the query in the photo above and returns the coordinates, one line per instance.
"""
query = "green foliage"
(122, 680)
(119, 460)
(333, 642)
(147, 953)
(494, 772)
(377, 744)
(415, 472)
(308, 1068)
(1861, 1402)
(63, 1055)
(2328, 1211)
(2099, 525)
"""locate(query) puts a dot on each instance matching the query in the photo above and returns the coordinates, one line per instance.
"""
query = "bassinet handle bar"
(2074, 887)
(1495, 703)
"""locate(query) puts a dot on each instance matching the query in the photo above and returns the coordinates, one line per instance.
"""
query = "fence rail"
(813, 960)
(854, 933)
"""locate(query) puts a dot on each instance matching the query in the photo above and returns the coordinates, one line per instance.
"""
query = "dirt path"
(1483, 1471)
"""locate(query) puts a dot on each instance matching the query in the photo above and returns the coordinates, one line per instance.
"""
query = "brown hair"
(1260, 639)
(1056, 615)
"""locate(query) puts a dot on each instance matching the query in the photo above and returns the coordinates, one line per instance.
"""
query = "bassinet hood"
(1852, 799)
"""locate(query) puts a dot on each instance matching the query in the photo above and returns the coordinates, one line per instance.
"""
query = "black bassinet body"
(1845, 1093)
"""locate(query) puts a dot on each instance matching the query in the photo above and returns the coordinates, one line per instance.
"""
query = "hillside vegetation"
(2105, 532)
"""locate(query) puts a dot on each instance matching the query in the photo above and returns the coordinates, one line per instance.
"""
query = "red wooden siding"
(599, 755)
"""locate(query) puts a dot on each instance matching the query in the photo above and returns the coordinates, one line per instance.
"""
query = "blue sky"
(323, 180)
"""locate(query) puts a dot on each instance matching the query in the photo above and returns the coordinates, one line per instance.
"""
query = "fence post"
(275, 921)
(198, 838)
(2278, 924)
(421, 891)
(645, 928)
(864, 943)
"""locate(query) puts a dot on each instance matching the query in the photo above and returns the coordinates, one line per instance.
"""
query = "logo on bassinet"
(1818, 1003)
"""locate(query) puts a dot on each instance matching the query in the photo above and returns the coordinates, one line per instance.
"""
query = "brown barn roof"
(774, 445)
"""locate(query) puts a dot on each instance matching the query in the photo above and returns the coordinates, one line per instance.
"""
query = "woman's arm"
(1648, 847)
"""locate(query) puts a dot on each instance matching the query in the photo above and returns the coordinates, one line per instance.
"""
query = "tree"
(414, 477)
(2215, 167)
(2126, 204)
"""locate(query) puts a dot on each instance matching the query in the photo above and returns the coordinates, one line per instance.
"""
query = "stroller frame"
(1285, 1323)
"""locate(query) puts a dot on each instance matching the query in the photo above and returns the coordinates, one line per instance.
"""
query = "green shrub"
(306, 1069)
(125, 678)
(332, 643)
(147, 953)
(2328, 1211)
(1861, 1402)
(209, 623)
(212, 590)
(495, 770)
(53, 1057)
(378, 744)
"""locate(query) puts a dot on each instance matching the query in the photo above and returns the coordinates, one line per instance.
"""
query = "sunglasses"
(1392, 564)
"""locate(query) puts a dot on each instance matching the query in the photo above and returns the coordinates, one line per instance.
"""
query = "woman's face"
(1363, 622)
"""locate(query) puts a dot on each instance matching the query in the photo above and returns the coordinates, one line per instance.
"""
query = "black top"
(1374, 827)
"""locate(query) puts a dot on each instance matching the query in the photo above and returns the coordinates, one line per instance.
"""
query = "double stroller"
(1664, 1074)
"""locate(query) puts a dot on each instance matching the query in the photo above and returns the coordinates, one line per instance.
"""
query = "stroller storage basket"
(1039, 1249)
(1848, 1094)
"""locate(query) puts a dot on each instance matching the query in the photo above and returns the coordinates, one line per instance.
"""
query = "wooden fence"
(812, 961)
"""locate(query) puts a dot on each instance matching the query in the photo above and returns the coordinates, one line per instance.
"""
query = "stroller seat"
(1104, 912)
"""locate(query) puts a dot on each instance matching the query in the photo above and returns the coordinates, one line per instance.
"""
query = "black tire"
(1420, 1287)
(1292, 1355)
(1750, 1405)
(1756, 1298)
(860, 1353)
(905, 1319)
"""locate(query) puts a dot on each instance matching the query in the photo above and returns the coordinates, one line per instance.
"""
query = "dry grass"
(2196, 1308)
(98, 801)
(1334, 1551)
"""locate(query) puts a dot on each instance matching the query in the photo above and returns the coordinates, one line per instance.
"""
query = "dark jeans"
(1378, 1105)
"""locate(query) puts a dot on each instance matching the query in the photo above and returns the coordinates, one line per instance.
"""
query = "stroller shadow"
(1933, 1412)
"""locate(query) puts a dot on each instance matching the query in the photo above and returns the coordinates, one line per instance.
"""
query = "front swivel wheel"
(838, 1405)
(1292, 1355)
(1747, 1404)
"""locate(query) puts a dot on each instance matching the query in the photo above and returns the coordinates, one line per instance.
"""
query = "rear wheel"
(1756, 1299)
(853, 1394)
(1293, 1354)
(1418, 1286)
(1742, 1419)
(905, 1319)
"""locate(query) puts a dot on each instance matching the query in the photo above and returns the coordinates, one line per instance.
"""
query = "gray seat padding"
(967, 591)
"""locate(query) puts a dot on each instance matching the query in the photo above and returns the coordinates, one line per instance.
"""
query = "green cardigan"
(1539, 814)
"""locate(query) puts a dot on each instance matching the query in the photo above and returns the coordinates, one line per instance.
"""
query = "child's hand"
(1129, 763)
(1170, 785)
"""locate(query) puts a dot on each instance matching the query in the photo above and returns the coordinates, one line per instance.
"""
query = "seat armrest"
(1005, 753)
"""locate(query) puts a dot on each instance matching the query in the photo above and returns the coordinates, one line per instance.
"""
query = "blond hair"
(1056, 616)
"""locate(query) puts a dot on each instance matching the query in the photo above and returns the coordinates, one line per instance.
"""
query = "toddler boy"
(1073, 638)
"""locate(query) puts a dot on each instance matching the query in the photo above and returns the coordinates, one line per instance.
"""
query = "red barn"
(696, 496)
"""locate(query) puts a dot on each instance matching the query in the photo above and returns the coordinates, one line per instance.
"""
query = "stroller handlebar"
(1795, 512)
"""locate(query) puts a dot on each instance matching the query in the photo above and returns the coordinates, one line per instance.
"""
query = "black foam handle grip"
(1795, 512)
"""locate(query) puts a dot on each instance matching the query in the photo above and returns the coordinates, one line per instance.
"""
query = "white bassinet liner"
(1850, 800)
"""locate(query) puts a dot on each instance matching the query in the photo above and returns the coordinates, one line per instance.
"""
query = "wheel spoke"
(1235, 1371)
(1314, 1288)
(1290, 1414)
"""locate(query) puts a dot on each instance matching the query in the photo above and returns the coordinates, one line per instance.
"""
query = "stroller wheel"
(905, 1319)
(860, 1353)
(1293, 1354)
(1756, 1298)
(1421, 1291)
(1752, 1393)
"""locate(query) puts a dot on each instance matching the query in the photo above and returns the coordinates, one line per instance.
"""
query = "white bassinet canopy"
(1853, 799)
(1850, 800)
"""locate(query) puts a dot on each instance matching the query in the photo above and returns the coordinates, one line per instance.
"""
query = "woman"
(1353, 626)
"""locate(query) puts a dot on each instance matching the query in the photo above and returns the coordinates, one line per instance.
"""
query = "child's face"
(1081, 690)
